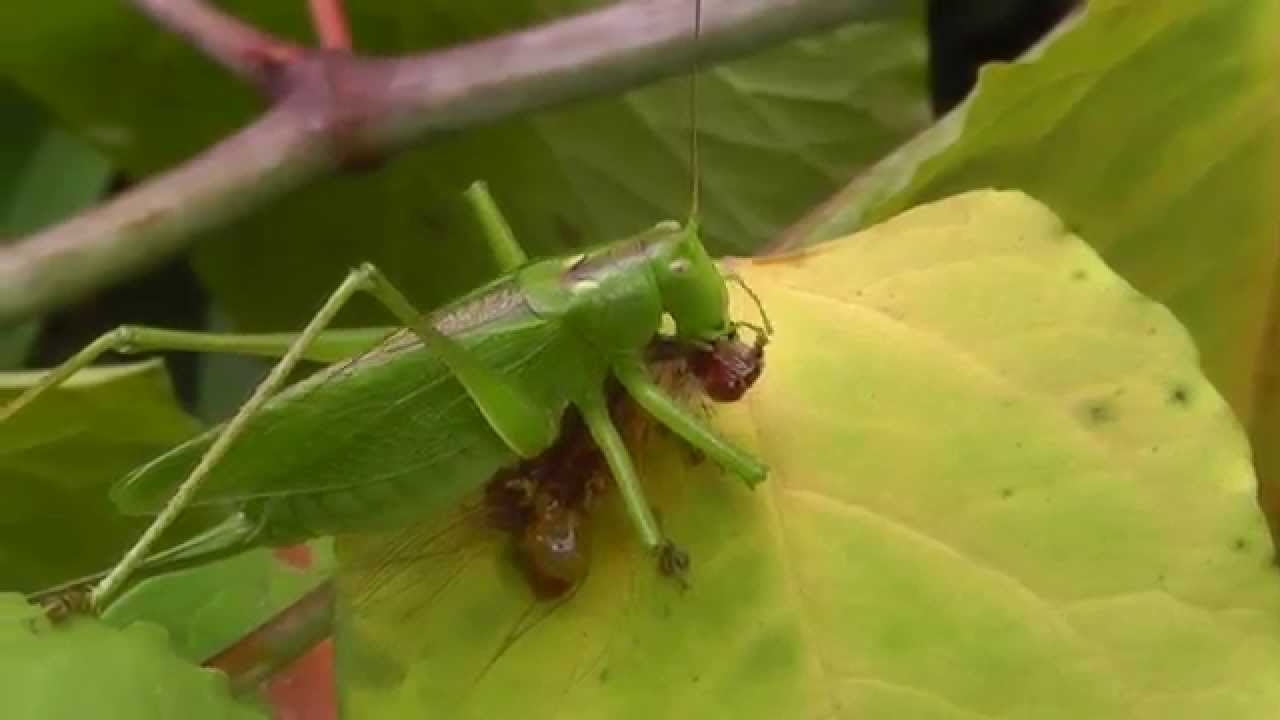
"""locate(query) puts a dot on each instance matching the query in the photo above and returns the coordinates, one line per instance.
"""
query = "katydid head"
(693, 292)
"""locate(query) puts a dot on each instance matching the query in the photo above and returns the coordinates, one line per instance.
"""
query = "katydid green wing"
(376, 441)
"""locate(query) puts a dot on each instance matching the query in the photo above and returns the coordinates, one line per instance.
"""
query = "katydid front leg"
(514, 414)
(635, 378)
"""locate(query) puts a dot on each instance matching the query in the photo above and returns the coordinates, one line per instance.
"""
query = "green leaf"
(82, 668)
(1000, 487)
(1151, 128)
(48, 173)
(59, 456)
(15, 341)
(780, 131)
(206, 609)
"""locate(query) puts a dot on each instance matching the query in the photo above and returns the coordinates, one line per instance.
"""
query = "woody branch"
(332, 108)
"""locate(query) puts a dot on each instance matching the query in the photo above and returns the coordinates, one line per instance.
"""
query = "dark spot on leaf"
(1099, 412)
(1240, 544)
(1018, 444)
(604, 676)
(1180, 395)
(1006, 493)
(1079, 275)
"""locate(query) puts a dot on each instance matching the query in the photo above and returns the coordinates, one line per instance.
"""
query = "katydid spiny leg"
(506, 250)
(525, 425)
(333, 346)
(126, 339)
(356, 281)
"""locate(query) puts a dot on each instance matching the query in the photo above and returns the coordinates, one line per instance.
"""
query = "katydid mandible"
(436, 409)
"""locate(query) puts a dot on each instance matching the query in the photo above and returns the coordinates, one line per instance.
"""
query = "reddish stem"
(329, 19)
(336, 110)
(246, 51)
(278, 642)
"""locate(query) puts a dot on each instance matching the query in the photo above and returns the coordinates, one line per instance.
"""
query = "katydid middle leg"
(595, 413)
(509, 408)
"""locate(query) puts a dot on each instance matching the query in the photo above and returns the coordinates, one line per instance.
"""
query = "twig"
(279, 641)
(330, 22)
(336, 109)
(243, 49)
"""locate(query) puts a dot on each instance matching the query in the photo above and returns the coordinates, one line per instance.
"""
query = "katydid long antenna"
(764, 331)
(695, 174)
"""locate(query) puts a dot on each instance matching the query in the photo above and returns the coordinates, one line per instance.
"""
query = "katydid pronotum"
(440, 406)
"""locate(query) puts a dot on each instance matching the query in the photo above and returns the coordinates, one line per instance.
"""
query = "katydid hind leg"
(513, 413)
(671, 559)
(332, 346)
(497, 231)
(635, 378)
(356, 281)
(524, 423)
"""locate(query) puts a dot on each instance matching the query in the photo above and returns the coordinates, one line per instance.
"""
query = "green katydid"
(440, 406)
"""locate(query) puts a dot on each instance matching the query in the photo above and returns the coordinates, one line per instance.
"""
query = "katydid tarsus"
(441, 405)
